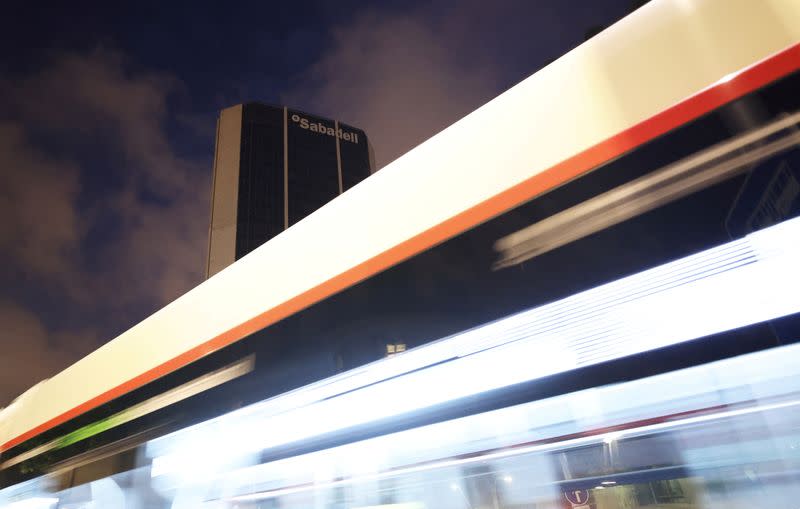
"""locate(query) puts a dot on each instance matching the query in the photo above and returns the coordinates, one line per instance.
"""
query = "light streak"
(733, 285)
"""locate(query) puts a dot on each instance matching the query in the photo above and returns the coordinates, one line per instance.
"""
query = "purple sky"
(107, 119)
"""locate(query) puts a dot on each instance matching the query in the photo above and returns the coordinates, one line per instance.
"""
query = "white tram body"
(589, 106)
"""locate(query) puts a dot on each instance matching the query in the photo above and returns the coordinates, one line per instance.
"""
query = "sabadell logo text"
(319, 127)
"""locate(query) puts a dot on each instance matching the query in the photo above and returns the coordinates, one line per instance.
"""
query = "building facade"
(273, 166)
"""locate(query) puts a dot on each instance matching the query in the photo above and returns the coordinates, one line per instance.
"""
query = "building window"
(395, 348)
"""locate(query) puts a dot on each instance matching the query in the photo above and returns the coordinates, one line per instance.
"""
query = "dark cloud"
(87, 263)
(96, 105)
(397, 76)
(40, 229)
(38, 353)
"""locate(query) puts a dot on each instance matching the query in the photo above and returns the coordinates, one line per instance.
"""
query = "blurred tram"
(583, 295)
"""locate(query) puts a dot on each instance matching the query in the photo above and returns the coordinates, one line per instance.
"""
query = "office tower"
(272, 167)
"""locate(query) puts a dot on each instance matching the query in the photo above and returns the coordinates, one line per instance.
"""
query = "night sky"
(107, 118)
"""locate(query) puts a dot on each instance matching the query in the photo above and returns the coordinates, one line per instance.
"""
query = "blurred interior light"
(34, 503)
(609, 483)
(508, 478)
(773, 374)
(402, 505)
(743, 282)
(501, 454)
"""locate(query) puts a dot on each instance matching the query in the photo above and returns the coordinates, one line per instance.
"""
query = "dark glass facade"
(261, 178)
(290, 164)
(356, 161)
(313, 164)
